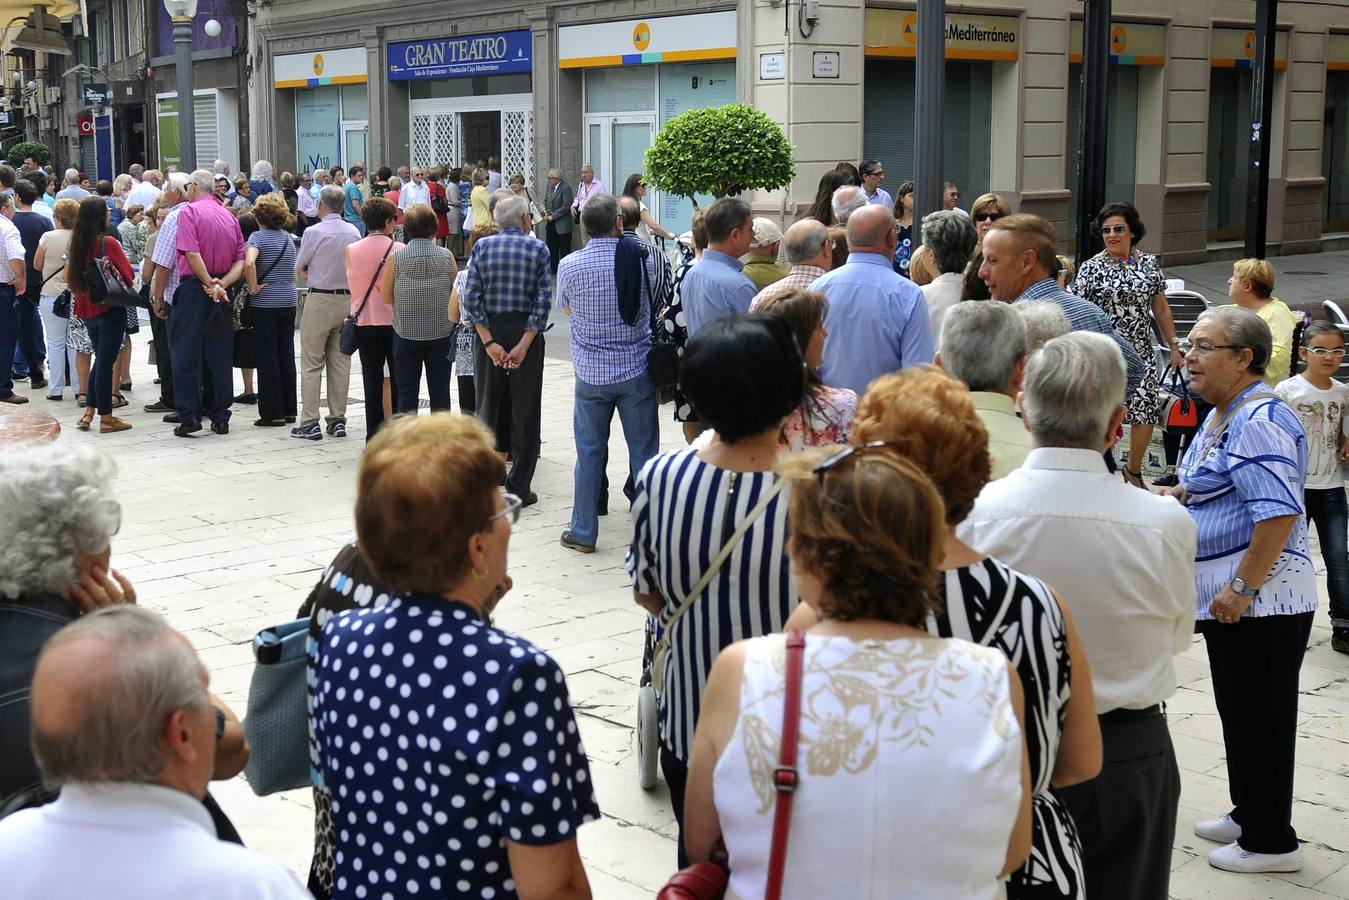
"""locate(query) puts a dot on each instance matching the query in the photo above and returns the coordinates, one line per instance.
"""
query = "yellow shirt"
(478, 200)
(1281, 321)
(1008, 440)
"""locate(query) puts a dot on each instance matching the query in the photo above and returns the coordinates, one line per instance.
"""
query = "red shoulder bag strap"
(785, 776)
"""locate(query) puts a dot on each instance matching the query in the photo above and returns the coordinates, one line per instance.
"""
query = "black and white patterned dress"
(1125, 289)
(1027, 625)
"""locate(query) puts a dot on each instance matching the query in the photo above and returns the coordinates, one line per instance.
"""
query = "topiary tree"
(24, 149)
(723, 150)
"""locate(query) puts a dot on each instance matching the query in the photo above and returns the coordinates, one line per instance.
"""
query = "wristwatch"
(1243, 589)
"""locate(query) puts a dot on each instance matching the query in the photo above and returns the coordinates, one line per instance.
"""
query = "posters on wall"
(318, 116)
(686, 86)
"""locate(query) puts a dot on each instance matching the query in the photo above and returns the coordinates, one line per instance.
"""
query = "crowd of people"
(895, 538)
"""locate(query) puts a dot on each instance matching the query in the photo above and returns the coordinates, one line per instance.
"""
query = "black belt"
(326, 291)
(1130, 715)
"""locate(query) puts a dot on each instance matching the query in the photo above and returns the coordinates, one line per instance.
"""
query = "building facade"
(542, 84)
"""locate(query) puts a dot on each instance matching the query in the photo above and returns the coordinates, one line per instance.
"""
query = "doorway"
(616, 147)
(1229, 117)
(482, 136)
(353, 143)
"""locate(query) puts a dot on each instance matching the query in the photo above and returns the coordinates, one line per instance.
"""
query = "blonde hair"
(65, 211)
(1002, 206)
(921, 267)
(1259, 272)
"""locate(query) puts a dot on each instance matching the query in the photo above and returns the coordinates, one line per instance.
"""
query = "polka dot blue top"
(440, 738)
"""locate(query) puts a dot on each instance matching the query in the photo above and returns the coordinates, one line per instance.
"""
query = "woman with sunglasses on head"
(636, 188)
(1128, 284)
(912, 777)
(447, 747)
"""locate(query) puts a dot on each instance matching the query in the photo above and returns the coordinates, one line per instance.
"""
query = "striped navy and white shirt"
(275, 268)
(684, 511)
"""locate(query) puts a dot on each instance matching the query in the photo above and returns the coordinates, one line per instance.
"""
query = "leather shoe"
(528, 498)
(186, 428)
(16, 399)
(572, 543)
(158, 406)
(220, 427)
(269, 423)
(172, 418)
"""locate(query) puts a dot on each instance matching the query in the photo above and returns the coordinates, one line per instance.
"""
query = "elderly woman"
(269, 267)
(243, 196)
(949, 237)
(905, 244)
(1255, 581)
(447, 748)
(64, 368)
(1128, 284)
(1252, 287)
(55, 554)
(913, 769)
(826, 415)
(366, 261)
(418, 281)
(478, 204)
(722, 575)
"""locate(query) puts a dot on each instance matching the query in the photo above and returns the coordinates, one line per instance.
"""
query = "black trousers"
(1126, 816)
(1255, 664)
(159, 333)
(274, 339)
(676, 774)
(526, 395)
(374, 345)
(409, 358)
(468, 397)
(559, 245)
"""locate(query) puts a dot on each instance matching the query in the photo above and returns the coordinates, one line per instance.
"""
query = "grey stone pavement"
(1303, 280)
(226, 535)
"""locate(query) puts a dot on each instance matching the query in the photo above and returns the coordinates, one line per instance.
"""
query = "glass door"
(616, 146)
(353, 143)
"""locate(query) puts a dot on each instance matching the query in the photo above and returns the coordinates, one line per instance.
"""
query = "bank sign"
(461, 57)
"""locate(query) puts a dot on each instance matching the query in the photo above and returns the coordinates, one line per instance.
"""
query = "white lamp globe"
(212, 27)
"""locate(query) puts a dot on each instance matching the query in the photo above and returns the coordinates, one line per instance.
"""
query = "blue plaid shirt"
(1083, 315)
(508, 273)
(604, 348)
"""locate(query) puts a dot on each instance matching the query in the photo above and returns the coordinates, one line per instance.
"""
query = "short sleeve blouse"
(440, 738)
(275, 266)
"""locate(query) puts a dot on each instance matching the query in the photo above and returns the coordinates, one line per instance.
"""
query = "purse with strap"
(662, 653)
(708, 880)
(277, 721)
(239, 306)
(346, 341)
(1180, 412)
(662, 360)
(106, 284)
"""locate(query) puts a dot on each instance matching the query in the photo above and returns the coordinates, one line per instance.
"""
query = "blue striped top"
(1255, 471)
(683, 512)
(278, 287)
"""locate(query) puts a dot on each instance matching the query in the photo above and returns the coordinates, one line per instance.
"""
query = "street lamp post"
(182, 11)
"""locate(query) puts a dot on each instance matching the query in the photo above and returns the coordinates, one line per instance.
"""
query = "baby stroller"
(648, 712)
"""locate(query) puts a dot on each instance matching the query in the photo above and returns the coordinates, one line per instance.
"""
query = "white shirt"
(142, 193)
(132, 841)
(1121, 558)
(942, 293)
(11, 248)
(41, 207)
(1322, 414)
(411, 193)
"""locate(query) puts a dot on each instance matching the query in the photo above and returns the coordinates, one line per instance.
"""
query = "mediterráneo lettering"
(973, 31)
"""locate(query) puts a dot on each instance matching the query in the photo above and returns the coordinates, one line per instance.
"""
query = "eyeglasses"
(1114, 229)
(987, 216)
(1204, 348)
(1324, 352)
(831, 462)
(512, 511)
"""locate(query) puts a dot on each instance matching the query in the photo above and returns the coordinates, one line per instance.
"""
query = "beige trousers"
(320, 329)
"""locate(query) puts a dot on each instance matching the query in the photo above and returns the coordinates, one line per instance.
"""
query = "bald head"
(808, 244)
(847, 200)
(871, 229)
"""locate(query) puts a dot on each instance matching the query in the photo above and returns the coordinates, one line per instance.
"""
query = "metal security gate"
(436, 131)
(435, 139)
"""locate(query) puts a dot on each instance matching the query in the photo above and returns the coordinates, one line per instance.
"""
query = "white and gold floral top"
(910, 770)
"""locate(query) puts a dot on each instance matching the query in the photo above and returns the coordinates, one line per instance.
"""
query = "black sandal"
(1132, 477)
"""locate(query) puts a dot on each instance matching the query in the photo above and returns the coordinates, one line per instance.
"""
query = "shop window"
(1121, 155)
(1335, 153)
(621, 89)
(477, 86)
(888, 129)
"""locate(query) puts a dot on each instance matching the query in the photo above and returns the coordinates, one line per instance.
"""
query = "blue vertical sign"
(103, 147)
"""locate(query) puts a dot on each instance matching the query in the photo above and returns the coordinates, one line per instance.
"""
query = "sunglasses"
(987, 216)
(1114, 229)
(832, 461)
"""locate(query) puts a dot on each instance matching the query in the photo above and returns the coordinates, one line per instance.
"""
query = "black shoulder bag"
(662, 360)
(346, 341)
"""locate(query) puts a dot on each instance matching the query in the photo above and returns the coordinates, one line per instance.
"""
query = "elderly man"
(322, 263)
(810, 251)
(877, 319)
(15, 324)
(873, 176)
(558, 231)
(210, 257)
(589, 186)
(1123, 562)
(507, 297)
(950, 196)
(321, 178)
(717, 286)
(605, 288)
(145, 191)
(164, 280)
(950, 237)
(1019, 262)
(1044, 322)
(415, 191)
(72, 190)
(122, 720)
(984, 345)
(846, 201)
(761, 263)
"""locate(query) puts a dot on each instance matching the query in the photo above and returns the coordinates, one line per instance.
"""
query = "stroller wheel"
(648, 737)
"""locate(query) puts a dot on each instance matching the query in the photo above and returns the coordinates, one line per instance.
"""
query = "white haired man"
(1123, 560)
(122, 721)
(72, 190)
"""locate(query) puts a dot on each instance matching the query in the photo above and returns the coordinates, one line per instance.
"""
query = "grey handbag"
(277, 720)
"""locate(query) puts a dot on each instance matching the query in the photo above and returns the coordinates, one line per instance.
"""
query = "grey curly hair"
(58, 501)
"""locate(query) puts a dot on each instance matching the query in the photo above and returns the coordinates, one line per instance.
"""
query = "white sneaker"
(1231, 858)
(1223, 830)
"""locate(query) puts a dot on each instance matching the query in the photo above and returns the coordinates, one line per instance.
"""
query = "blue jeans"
(16, 331)
(635, 401)
(1329, 511)
(105, 333)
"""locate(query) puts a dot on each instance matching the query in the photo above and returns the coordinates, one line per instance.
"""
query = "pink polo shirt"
(364, 256)
(206, 227)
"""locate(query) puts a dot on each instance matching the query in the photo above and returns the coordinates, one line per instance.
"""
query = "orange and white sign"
(1131, 43)
(1234, 48)
(298, 70)
(894, 33)
(633, 42)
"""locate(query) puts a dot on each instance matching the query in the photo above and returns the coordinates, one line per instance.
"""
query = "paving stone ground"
(226, 535)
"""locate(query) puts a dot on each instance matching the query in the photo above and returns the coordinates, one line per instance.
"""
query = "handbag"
(662, 360)
(709, 880)
(346, 340)
(438, 204)
(1180, 412)
(106, 284)
(239, 294)
(61, 305)
(277, 720)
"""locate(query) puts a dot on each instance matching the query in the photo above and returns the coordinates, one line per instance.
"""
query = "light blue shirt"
(715, 287)
(880, 198)
(877, 322)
